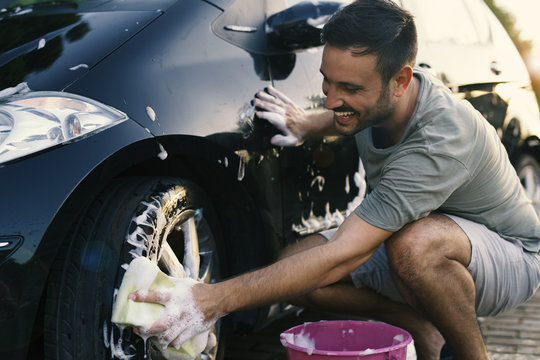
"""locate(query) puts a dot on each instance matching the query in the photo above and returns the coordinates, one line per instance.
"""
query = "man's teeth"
(344, 113)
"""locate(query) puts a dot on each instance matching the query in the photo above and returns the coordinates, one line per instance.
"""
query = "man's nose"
(333, 99)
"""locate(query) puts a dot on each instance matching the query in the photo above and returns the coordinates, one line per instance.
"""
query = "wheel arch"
(210, 166)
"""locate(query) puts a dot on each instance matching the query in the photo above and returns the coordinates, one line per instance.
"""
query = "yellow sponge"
(143, 275)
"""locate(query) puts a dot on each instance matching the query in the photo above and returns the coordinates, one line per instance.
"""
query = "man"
(445, 234)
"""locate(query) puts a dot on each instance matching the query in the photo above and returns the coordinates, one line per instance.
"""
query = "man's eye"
(351, 89)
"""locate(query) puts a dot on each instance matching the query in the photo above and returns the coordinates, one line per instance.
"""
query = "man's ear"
(402, 80)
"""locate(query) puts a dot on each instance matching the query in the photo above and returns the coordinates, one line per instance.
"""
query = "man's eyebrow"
(344, 83)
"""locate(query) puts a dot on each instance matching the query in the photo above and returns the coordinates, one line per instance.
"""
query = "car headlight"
(39, 120)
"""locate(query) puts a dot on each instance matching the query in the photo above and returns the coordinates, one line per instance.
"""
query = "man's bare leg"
(343, 297)
(429, 259)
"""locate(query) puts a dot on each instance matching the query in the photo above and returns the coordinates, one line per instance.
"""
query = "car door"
(316, 180)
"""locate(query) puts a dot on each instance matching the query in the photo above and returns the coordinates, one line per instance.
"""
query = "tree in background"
(524, 46)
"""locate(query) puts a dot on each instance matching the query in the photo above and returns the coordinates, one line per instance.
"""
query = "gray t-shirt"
(451, 160)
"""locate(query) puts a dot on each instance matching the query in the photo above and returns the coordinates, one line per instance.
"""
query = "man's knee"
(425, 243)
(428, 240)
(412, 242)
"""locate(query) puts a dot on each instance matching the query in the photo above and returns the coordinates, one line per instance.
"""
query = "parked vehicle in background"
(464, 44)
(126, 130)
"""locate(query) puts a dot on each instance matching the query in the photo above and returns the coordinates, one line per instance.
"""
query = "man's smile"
(344, 114)
(344, 118)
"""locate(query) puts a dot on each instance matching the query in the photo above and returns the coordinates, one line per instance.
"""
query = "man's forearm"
(282, 280)
(321, 124)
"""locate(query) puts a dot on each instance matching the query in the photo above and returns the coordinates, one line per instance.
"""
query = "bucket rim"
(404, 343)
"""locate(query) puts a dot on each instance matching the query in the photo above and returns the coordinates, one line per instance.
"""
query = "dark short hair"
(378, 27)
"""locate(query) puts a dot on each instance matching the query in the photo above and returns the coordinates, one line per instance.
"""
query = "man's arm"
(192, 309)
(296, 124)
(353, 244)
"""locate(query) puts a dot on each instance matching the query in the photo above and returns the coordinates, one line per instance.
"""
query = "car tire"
(528, 171)
(158, 218)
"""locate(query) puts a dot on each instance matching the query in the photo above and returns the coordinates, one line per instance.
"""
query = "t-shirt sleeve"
(410, 188)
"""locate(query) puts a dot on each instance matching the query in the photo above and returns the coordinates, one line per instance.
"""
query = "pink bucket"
(346, 340)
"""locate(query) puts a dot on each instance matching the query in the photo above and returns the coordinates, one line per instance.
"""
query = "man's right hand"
(183, 317)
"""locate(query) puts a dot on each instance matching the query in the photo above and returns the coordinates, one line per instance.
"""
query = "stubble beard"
(372, 117)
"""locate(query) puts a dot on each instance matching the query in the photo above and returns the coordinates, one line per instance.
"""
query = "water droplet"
(41, 43)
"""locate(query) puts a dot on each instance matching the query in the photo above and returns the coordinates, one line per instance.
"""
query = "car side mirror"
(299, 26)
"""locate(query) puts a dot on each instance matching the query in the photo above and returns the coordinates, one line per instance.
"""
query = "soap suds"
(182, 305)
(302, 339)
(77, 67)
(151, 113)
(367, 351)
(398, 339)
(162, 153)
(314, 223)
(319, 180)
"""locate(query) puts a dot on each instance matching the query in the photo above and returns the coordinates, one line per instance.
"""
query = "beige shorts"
(504, 274)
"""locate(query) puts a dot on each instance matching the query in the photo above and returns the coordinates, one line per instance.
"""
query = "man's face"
(354, 90)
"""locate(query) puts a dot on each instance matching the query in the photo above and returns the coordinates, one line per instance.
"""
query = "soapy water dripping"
(243, 158)
(241, 169)
(162, 152)
(41, 43)
(139, 240)
(319, 180)
(117, 351)
(315, 224)
(225, 162)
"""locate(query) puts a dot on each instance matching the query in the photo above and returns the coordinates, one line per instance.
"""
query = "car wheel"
(165, 219)
(528, 171)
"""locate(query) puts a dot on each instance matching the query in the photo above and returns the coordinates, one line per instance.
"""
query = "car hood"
(51, 45)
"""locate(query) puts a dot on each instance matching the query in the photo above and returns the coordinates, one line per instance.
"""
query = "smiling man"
(446, 234)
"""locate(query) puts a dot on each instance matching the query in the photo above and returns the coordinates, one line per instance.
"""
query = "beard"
(373, 116)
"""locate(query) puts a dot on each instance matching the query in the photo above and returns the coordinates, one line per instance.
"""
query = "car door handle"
(494, 67)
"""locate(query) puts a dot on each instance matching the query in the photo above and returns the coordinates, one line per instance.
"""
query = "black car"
(126, 130)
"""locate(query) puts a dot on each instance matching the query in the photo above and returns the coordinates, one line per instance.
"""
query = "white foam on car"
(151, 113)
(162, 152)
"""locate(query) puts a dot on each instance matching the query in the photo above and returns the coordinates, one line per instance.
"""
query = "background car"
(464, 44)
(126, 130)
